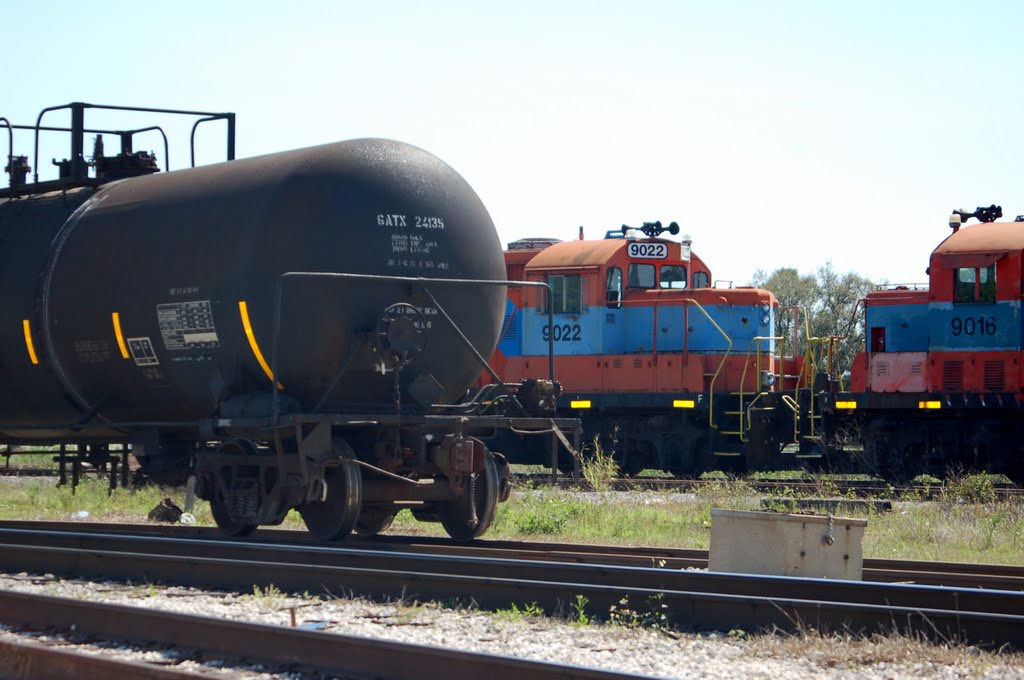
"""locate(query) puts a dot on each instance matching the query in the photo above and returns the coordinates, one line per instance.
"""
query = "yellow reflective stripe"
(846, 404)
(29, 345)
(243, 309)
(929, 404)
(683, 403)
(116, 320)
(580, 403)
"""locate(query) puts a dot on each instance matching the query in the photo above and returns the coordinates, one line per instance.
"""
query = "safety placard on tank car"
(142, 351)
(187, 325)
(647, 251)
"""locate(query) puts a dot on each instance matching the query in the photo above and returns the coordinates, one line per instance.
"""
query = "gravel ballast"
(516, 633)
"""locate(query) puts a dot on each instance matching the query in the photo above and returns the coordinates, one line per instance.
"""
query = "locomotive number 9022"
(647, 251)
(564, 332)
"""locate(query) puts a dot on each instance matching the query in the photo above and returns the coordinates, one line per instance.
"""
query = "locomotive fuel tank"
(156, 298)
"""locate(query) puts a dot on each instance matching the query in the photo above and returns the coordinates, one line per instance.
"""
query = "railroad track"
(292, 650)
(552, 578)
(856, 488)
(859, 488)
(919, 572)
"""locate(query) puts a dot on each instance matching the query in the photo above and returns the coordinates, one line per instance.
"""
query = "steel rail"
(695, 599)
(956, 574)
(308, 650)
(291, 564)
(30, 660)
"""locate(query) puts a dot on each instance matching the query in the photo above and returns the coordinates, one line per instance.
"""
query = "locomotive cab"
(664, 370)
(938, 385)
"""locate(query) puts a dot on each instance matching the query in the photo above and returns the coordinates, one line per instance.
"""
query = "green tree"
(830, 301)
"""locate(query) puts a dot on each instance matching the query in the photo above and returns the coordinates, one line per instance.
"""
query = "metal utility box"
(786, 545)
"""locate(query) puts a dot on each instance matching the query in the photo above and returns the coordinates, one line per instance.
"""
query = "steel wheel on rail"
(470, 515)
(373, 521)
(228, 525)
(334, 517)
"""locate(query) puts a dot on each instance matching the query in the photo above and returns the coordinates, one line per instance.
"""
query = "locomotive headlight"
(766, 316)
(767, 379)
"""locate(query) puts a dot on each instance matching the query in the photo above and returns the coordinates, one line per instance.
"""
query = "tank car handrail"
(167, 153)
(77, 124)
(422, 281)
(10, 150)
(230, 118)
(98, 131)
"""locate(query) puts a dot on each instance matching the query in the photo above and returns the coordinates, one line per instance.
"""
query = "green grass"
(954, 528)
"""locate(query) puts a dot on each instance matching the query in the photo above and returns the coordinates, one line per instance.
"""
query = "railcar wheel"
(334, 517)
(471, 514)
(228, 525)
(374, 521)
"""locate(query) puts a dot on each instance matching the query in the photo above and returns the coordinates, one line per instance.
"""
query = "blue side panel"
(671, 329)
(906, 326)
(572, 333)
(614, 330)
(511, 339)
(639, 329)
(630, 330)
(977, 327)
(741, 323)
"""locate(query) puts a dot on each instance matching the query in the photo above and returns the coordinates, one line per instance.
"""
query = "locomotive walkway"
(554, 577)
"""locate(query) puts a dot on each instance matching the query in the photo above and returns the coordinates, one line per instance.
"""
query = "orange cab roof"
(987, 237)
(577, 254)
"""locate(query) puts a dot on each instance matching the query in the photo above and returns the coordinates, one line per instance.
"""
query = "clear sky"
(776, 133)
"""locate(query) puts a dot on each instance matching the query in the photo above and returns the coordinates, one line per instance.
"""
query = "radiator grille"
(512, 328)
(995, 376)
(953, 376)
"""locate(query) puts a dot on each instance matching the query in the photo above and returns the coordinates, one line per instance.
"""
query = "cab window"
(641, 276)
(567, 294)
(672, 276)
(613, 287)
(700, 280)
(974, 284)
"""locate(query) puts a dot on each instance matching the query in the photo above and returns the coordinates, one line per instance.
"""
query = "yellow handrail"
(711, 388)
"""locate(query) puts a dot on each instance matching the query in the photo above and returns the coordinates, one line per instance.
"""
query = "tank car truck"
(664, 370)
(939, 384)
(293, 331)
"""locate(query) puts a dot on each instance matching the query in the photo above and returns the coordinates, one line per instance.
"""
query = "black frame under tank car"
(292, 331)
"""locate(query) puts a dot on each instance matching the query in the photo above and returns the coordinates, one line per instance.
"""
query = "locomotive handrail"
(714, 378)
(755, 349)
(422, 281)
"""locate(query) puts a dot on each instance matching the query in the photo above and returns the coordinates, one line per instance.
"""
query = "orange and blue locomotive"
(665, 370)
(939, 385)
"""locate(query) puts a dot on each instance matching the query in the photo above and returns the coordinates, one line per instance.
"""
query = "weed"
(654, 616)
(514, 613)
(598, 466)
(579, 611)
(969, 489)
(269, 598)
(550, 516)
